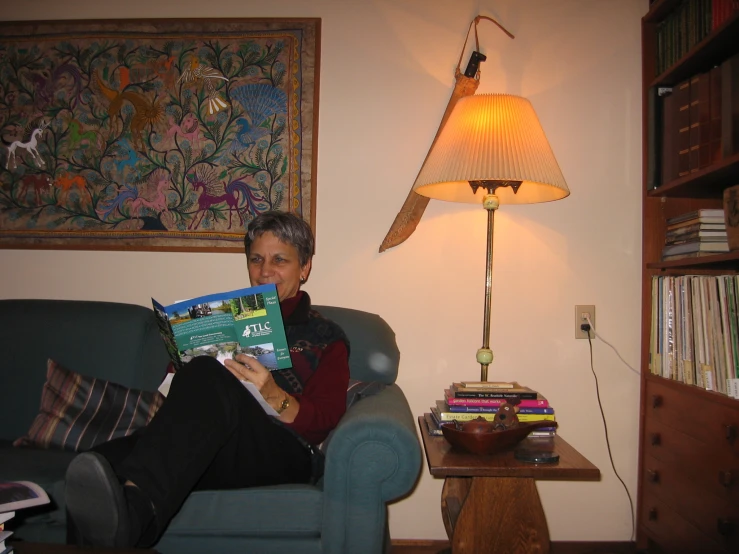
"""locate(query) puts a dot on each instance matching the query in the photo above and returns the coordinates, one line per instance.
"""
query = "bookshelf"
(689, 437)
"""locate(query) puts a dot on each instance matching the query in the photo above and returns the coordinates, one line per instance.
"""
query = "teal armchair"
(372, 458)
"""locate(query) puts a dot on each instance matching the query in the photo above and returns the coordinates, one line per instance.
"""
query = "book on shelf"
(699, 121)
(697, 230)
(697, 216)
(704, 236)
(656, 174)
(444, 414)
(694, 335)
(539, 401)
(695, 246)
(515, 393)
(731, 209)
(715, 153)
(730, 106)
(682, 105)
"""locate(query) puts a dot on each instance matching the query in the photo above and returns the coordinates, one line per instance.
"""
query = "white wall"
(387, 73)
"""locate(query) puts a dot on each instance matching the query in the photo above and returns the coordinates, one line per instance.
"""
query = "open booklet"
(16, 495)
(244, 321)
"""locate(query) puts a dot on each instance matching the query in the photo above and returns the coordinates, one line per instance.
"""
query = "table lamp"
(492, 150)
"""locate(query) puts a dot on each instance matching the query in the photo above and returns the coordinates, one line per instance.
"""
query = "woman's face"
(272, 261)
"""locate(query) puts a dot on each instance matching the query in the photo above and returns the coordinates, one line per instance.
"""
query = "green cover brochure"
(245, 321)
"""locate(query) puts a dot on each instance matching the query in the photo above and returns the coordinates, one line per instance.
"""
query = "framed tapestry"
(155, 134)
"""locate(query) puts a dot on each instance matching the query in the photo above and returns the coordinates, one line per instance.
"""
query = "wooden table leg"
(494, 515)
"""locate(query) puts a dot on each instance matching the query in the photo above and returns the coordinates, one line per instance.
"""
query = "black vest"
(308, 335)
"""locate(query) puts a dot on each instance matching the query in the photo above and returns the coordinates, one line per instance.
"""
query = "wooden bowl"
(482, 439)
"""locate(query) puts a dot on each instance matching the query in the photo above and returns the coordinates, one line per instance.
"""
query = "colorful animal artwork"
(29, 146)
(186, 133)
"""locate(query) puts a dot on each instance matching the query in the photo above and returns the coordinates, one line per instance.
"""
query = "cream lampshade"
(492, 150)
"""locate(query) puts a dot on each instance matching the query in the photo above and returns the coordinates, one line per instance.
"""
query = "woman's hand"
(250, 369)
(247, 368)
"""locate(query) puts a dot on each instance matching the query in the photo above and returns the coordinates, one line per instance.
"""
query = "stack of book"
(16, 495)
(468, 400)
(4, 534)
(696, 233)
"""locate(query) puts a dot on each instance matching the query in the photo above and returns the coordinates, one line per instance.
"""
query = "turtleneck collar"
(295, 309)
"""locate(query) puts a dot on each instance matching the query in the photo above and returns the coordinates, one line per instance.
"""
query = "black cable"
(586, 327)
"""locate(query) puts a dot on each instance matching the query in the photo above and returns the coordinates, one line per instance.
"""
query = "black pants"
(210, 433)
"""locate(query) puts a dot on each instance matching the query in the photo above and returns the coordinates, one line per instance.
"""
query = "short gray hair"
(287, 227)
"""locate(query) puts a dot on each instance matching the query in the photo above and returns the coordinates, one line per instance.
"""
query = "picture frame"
(155, 135)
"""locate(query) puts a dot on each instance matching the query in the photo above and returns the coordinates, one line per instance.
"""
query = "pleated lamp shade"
(492, 137)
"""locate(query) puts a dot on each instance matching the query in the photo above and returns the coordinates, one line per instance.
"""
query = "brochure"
(16, 495)
(244, 321)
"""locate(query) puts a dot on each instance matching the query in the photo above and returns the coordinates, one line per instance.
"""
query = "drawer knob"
(653, 475)
(724, 526)
(726, 478)
(652, 515)
(730, 431)
(656, 401)
(655, 439)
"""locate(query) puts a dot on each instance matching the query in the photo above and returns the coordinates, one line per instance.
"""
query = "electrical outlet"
(582, 313)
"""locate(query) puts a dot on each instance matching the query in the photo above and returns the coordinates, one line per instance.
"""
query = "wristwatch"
(285, 404)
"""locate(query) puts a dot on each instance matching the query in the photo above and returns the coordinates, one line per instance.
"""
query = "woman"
(211, 433)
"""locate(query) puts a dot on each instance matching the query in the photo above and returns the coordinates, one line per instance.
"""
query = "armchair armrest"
(372, 457)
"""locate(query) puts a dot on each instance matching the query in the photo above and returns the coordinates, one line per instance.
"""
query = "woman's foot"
(97, 503)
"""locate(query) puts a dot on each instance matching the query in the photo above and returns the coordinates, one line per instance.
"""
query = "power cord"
(587, 327)
(590, 326)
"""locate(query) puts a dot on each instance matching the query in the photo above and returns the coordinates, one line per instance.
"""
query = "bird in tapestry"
(260, 102)
(148, 113)
(197, 72)
(46, 85)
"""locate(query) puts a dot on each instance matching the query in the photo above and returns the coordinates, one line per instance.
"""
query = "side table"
(490, 504)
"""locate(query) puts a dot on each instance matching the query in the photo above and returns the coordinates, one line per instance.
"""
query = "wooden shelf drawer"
(716, 518)
(693, 458)
(716, 424)
(673, 533)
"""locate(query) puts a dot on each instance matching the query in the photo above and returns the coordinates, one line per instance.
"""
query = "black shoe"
(96, 502)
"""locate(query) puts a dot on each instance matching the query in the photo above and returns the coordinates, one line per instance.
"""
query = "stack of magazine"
(16, 495)
(468, 400)
(696, 233)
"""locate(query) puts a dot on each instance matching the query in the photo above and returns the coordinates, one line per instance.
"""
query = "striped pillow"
(79, 412)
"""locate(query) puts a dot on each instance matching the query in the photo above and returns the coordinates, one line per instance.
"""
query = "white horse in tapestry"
(29, 146)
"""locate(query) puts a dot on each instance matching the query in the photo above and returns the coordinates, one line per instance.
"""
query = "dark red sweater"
(323, 398)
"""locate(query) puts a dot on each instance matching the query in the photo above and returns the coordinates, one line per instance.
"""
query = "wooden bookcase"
(689, 437)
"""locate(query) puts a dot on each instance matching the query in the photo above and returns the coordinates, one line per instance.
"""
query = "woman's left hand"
(247, 368)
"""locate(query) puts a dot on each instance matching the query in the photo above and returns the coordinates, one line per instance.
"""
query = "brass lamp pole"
(491, 149)
(490, 202)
